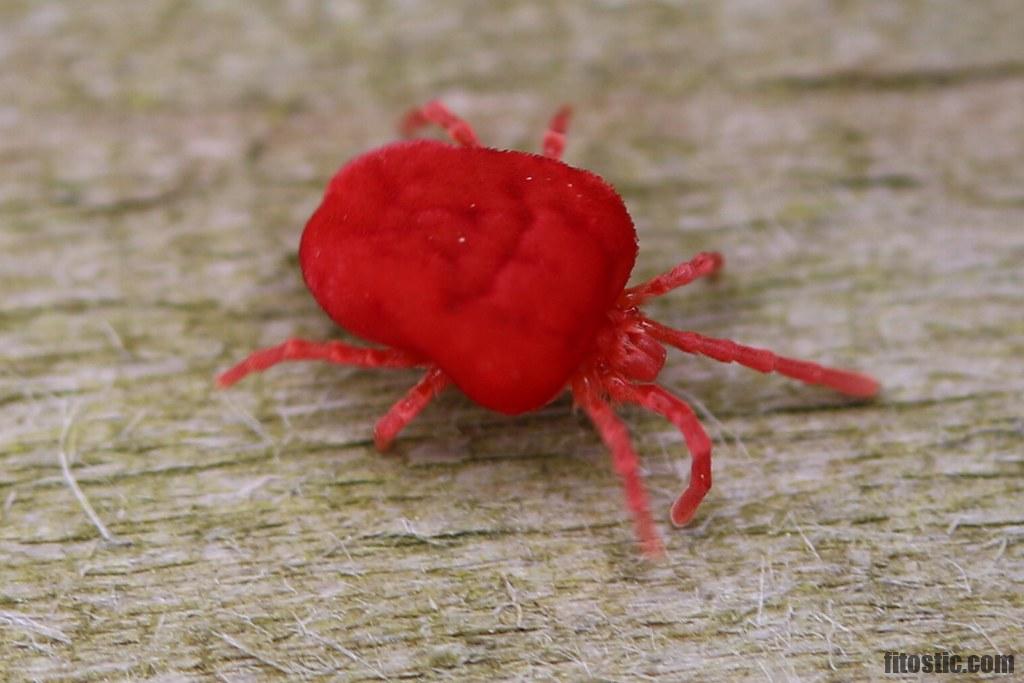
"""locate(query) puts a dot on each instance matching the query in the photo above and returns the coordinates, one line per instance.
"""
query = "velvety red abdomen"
(498, 266)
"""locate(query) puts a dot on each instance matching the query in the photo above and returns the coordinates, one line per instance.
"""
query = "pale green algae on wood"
(858, 163)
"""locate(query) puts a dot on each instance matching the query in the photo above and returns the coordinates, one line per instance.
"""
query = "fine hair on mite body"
(504, 274)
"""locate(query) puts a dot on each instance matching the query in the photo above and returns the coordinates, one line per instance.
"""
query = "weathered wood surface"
(860, 165)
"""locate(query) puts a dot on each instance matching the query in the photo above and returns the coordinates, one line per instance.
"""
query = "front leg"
(704, 264)
(616, 437)
(763, 360)
(658, 400)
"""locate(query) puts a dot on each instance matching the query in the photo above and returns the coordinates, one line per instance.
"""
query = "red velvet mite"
(504, 273)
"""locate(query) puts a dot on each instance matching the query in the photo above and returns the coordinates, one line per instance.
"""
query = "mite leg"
(437, 113)
(408, 407)
(762, 360)
(616, 437)
(702, 265)
(331, 352)
(656, 399)
(554, 138)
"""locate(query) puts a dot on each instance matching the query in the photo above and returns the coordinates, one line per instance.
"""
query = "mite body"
(498, 266)
(504, 273)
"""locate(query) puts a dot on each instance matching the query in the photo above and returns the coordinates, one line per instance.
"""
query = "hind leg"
(436, 113)
(554, 139)
(330, 352)
(408, 407)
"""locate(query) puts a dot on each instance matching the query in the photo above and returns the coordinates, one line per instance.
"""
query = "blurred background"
(859, 165)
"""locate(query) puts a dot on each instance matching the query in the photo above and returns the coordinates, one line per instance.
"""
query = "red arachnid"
(504, 273)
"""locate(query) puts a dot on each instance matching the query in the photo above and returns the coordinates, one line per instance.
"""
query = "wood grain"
(858, 163)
